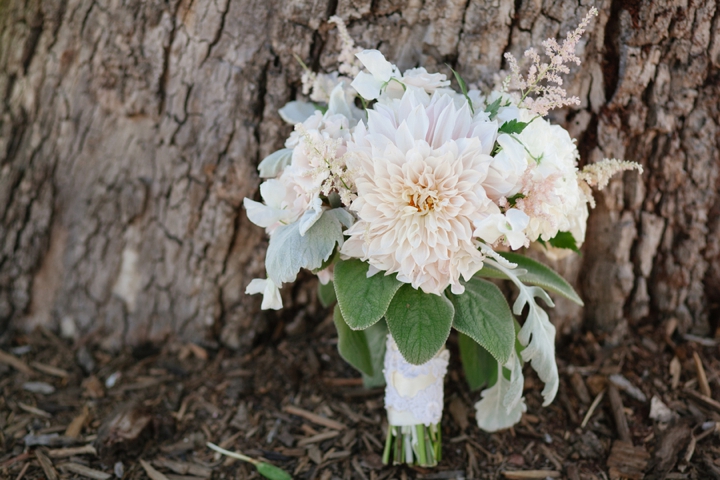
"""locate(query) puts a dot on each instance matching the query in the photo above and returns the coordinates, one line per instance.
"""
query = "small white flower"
(270, 291)
(509, 227)
(370, 85)
(385, 79)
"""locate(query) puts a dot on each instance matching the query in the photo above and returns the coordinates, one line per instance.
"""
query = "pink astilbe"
(536, 194)
(547, 97)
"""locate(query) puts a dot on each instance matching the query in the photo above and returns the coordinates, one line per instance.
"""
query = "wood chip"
(46, 465)
(592, 408)
(672, 442)
(552, 456)
(619, 414)
(72, 451)
(16, 363)
(23, 471)
(85, 471)
(675, 370)
(343, 382)
(626, 386)
(315, 454)
(627, 461)
(459, 413)
(704, 400)
(578, 385)
(318, 438)
(50, 370)
(75, 427)
(701, 377)
(34, 411)
(325, 422)
(183, 468)
(151, 472)
(524, 474)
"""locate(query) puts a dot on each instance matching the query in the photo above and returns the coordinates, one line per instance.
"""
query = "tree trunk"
(130, 131)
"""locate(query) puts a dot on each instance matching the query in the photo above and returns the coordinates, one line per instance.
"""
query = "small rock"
(119, 469)
(39, 387)
(112, 379)
(659, 411)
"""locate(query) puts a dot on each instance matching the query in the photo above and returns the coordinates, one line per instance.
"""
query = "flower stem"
(413, 445)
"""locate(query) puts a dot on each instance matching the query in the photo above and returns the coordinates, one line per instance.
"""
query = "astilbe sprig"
(598, 174)
(541, 97)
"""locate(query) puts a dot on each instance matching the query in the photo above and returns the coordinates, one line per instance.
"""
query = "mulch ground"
(638, 404)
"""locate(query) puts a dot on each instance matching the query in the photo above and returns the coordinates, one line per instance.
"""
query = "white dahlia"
(419, 169)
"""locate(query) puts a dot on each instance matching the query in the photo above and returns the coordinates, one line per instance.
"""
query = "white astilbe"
(349, 64)
(551, 95)
(537, 334)
(502, 405)
(598, 174)
(323, 163)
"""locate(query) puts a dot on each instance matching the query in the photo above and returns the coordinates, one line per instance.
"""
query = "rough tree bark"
(130, 130)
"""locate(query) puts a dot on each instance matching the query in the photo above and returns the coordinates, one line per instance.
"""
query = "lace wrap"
(414, 393)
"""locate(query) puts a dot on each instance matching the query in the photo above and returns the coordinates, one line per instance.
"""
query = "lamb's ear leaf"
(480, 367)
(377, 342)
(419, 322)
(482, 313)
(363, 300)
(326, 294)
(353, 345)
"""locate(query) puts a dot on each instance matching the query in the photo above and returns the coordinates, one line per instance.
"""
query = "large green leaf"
(377, 340)
(480, 367)
(419, 322)
(537, 274)
(326, 294)
(353, 345)
(363, 300)
(482, 313)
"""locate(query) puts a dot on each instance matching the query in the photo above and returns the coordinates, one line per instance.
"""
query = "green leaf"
(537, 274)
(352, 345)
(272, 472)
(326, 294)
(463, 88)
(363, 300)
(482, 313)
(564, 240)
(513, 199)
(513, 126)
(480, 367)
(289, 251)
(493, 108)
(377, 341)
(419, 322)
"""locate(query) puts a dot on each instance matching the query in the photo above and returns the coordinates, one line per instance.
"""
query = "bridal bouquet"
(403, 194)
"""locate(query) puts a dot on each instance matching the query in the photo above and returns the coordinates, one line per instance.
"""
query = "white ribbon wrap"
(414, 393)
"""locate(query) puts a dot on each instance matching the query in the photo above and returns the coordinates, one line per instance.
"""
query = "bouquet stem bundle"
(413, 445)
